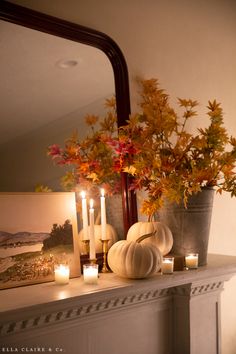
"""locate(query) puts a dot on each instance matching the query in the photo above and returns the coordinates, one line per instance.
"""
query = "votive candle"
(90, 273)
(167, 266)
(191, 261)
(62, 273)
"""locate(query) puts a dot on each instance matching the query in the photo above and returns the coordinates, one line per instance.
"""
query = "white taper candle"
(84, 216)
(92, 253)
(103, 215)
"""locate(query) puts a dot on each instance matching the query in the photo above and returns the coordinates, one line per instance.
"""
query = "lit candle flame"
(83, 194)
(102, 192)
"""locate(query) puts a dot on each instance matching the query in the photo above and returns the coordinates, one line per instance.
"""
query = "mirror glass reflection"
(48, 85)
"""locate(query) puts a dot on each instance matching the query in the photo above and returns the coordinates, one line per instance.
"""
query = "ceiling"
(44, 78)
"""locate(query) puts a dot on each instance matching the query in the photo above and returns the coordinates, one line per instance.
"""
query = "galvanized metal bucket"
(190, 226)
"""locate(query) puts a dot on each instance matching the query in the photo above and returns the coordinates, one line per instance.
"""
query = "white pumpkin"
(131, 259)
(162, 238)
(110, 233)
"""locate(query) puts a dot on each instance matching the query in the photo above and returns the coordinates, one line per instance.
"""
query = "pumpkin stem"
(143, 237)
(150, 217)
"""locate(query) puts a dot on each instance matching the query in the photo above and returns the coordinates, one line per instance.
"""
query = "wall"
(25, 159)
(190, 46)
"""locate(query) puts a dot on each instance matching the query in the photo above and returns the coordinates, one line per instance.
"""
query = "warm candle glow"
(90, 272)
(62, 273)
(191, 261)
(167, 265)
(91, 203)
(83, 194)
(102, 192)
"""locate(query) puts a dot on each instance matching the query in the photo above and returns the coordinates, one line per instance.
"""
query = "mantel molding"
(200, 289)
(100, 307)
(88, 309)
(166, 313)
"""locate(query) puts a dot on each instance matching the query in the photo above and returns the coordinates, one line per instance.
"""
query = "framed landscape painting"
(37, 231)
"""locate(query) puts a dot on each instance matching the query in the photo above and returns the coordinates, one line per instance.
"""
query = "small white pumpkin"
(162, 238)
(135, 260)
(110, 233)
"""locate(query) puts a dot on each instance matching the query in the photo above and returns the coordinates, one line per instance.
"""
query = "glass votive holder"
(167, 266)
(90, 273)
(191, 261)
(62, 274)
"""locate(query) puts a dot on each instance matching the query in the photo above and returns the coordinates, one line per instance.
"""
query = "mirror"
(48, 86)
(52, 28)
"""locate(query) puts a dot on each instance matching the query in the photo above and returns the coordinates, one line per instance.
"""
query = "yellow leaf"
(93, 176)
(130, 169)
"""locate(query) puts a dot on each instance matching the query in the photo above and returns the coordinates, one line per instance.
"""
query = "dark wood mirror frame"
(77, 33)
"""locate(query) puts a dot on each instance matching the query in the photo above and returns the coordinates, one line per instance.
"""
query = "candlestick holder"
(105, 251)
(93, 261)
(86, 246)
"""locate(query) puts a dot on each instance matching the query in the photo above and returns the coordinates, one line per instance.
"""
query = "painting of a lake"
(37, 230)
(12, 251)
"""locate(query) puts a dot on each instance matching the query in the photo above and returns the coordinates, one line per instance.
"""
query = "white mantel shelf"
(48, 312)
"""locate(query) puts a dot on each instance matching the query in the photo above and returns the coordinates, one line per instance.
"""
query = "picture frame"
(37, 231)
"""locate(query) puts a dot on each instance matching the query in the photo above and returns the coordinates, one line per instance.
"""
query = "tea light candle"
(167, 265)
(92, 253)
(90, 272)
(103, 214)
(84, 216)
(191, 261)
(62, 273)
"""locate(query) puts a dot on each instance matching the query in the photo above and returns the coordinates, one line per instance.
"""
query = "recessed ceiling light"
(65, 64)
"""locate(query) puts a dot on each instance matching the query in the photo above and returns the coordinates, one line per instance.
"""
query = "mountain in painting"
(22, 237)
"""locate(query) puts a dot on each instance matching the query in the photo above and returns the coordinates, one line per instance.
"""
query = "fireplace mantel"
(177, 313)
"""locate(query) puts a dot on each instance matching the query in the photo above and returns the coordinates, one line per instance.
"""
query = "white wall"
(190, 46)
